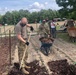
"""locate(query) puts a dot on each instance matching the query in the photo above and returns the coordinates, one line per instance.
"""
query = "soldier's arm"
(20, 38)
(28, 25)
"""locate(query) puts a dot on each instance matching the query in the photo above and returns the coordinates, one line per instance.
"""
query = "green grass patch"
(65, 37)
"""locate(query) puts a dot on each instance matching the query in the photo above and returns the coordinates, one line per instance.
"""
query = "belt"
(25, 38)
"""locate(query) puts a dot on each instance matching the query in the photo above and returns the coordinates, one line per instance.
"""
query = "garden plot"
(4, 54)
(36, 56)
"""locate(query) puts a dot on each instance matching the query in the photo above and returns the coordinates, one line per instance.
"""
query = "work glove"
(31, 28)
(27, 43)
(17, 65)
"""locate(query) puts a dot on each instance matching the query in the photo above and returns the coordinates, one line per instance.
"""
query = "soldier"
(41, 30)
(47, 27)
(44, 29)
(21, 33)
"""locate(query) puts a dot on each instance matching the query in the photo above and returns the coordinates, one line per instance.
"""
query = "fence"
(7, 41)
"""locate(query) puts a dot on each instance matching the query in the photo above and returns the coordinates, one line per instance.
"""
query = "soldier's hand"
(31, 28)
(27, 43)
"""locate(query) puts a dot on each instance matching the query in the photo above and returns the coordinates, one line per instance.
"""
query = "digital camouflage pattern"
(44, 30)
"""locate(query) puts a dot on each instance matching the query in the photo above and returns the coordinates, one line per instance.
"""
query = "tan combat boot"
(28, 67)
(24, 71)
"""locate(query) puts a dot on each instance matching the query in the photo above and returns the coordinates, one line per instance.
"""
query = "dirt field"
(34, 53)
(5, 54)
(60, 50)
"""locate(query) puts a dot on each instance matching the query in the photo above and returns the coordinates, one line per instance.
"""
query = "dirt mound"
(61, 67)
(35, 70)
(46, 40)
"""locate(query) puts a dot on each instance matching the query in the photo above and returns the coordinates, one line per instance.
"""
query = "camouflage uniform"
(21, 49)
(21, 45)
(47, 28)
(44, 29)
(41, 30)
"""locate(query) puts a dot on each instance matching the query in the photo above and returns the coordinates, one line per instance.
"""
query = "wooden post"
(0, 32)
(0, 35)
(36, 26)
(10, 46)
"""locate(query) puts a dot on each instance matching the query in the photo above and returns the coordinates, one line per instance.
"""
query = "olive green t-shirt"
(21, 30)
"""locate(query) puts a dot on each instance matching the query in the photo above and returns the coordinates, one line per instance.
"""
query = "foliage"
(68, 8)
(14, 16)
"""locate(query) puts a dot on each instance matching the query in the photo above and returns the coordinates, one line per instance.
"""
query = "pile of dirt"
(34, 70)
(61, 67)
(46, 40)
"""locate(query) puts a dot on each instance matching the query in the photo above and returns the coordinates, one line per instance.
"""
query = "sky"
(31, 5)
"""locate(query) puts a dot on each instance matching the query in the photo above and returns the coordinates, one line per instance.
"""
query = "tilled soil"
(62, 46)
(38, 70)
(68, 48)
(4, 54)
(61, 67)
(58, 67)
(52, 56)
(34, 70)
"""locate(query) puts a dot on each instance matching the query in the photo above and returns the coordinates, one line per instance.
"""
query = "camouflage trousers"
(21, 49)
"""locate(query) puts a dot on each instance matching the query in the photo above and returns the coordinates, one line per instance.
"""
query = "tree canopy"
(68, 8)
(14, 16)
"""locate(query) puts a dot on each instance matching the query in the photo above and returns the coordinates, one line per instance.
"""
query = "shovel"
(17, 65)
(23, 58)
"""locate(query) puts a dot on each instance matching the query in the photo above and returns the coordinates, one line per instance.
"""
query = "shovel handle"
(22, 61)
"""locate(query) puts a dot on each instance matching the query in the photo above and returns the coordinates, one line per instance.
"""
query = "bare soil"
(4, 54)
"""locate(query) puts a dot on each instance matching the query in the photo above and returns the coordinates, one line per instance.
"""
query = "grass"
(65, 37)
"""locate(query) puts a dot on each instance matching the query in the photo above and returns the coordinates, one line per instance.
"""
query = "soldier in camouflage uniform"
(41, 30)
(47, 27)
(44, 29)
(21, 33)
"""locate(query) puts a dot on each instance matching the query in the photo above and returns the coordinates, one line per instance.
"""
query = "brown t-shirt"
(21, 30)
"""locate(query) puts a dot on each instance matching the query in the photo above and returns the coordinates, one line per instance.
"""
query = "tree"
(68, 8)
(15, 16)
